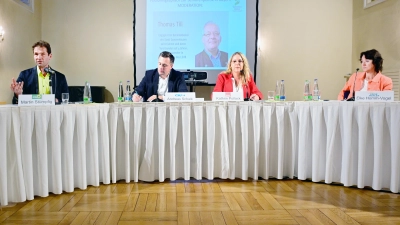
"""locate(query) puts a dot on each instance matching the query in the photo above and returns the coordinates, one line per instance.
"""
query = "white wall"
(377, 27)
(302, 40)
(22, 29)
(92, 40)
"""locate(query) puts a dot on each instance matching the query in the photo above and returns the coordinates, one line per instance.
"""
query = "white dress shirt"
(162, 85)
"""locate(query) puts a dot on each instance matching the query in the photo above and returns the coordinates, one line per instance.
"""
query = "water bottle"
(316, 94)
(307, 93)
(277, 90)
(87, 94)
(120, 92)
(128, 93)
(282, 96)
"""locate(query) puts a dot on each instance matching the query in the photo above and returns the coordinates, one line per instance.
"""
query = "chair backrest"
(76, 93)
(346, 94)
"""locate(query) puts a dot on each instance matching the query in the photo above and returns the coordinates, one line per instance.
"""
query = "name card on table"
(33, 100)
(227, 96)
(179, 97)
(374, 96)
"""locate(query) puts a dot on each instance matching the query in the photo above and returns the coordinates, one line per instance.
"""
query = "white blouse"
(365, 85)
(236, 88)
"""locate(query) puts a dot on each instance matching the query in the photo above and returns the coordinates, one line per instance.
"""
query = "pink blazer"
(379, 83)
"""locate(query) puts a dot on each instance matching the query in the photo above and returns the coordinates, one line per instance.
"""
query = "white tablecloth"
(58, 148)
(347, 142)
(52, 149)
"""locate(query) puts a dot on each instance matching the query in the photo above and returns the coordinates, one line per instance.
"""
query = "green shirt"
(43, 81)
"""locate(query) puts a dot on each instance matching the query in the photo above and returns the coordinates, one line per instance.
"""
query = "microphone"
(49, 70)
(247, 94)
(354, 86)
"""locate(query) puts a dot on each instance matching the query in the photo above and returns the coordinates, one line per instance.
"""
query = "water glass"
(271, 95)
(65, 98)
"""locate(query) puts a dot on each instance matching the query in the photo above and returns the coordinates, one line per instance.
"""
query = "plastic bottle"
(90, 92)
(282, 96)
(128, 93)
(277, 90)
(316, 93)
(120, 92)
(87, 94)
(307, 93)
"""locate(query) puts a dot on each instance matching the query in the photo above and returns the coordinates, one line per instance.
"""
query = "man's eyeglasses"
(213, 33)
(238, 61)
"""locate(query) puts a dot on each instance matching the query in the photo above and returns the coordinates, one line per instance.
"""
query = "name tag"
(179, 97)
(227, 96)
(33, 100)
(374, 96)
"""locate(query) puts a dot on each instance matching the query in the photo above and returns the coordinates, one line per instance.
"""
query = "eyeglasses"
(213, 33)
(238, 61)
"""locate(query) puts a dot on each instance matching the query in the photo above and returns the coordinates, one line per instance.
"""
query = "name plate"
(179, 97)
(227, 96)
(374, 96)
(33, 100)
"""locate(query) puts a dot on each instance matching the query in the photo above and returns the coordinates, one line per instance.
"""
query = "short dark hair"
(42, 44)
(169, 55)
(376, 58)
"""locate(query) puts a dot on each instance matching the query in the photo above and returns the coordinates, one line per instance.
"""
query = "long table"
(58, 148)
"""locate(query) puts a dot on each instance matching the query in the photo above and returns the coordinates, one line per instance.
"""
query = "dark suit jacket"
(31, 84)
(203, 60)
(149, 84)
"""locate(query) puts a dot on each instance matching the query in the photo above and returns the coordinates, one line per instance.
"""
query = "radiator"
(395, 75)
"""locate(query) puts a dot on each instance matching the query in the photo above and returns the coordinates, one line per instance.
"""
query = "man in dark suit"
(157, 82)
(36, 80)
(211, 56)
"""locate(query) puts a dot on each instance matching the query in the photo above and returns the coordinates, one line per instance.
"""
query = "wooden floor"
(210, 202)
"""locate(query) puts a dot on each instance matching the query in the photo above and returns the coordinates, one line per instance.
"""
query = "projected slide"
(201, 34)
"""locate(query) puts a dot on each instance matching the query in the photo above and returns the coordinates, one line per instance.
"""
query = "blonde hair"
(245, 73)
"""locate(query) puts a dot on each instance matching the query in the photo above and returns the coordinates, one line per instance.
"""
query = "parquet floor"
(210, 202)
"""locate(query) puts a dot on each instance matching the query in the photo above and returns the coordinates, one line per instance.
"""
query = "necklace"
(237, 87)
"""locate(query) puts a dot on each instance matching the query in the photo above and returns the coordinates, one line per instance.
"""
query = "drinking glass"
(65, 98)
(271, 95)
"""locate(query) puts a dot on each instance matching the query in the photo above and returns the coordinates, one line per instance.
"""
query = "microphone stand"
(52, 73)
(247, 94)
(50, 84)
(354, 86)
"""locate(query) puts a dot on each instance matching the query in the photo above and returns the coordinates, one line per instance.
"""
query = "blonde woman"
(238, 78)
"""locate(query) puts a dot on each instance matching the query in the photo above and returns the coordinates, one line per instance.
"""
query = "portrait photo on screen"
(211, 55)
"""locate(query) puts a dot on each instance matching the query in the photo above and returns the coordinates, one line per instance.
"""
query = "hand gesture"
(136, 98)
(16, 87)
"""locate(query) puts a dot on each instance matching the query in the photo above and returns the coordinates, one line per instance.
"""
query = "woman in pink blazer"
(238, 78)
(371, 79)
